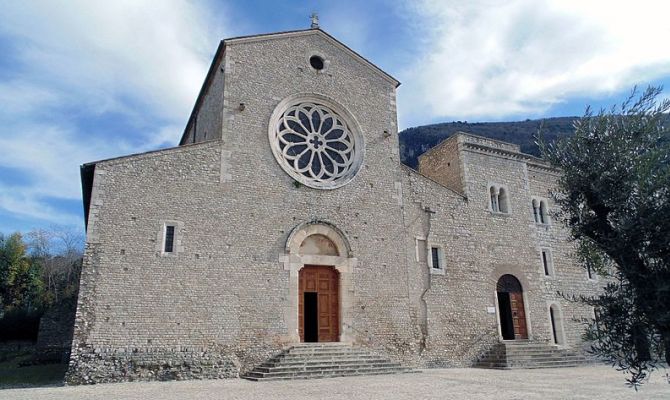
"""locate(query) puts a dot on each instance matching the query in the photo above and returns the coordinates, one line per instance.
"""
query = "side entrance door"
(518, 315)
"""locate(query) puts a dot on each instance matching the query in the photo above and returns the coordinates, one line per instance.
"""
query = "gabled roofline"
(220, 50)
(310, 31)
(87, 170)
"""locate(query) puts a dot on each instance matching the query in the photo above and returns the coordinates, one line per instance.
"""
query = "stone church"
(284, 216)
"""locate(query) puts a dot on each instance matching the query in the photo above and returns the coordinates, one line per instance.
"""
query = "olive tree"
(614, 196)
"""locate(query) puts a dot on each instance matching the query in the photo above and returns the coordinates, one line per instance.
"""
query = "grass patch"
(13, 375)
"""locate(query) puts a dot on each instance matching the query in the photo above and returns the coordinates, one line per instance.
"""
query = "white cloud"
(78, 62)
(109, 54)
(490, 59)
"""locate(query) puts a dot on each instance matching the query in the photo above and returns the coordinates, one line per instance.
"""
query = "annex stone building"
(285, 216)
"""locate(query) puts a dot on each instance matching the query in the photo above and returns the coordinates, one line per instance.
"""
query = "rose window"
(315, 145)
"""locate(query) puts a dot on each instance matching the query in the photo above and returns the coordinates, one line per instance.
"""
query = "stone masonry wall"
(224, 293)
(221, 304)
(505, 243)
(443, 164)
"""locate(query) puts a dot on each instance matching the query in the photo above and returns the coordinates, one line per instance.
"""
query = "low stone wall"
(14, 346)
(55, 334)
(90, 366)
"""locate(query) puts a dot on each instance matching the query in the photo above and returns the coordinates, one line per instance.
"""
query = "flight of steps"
(528, 354)
(323, 360)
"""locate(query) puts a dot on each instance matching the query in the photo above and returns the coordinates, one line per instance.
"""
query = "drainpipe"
(424, 332)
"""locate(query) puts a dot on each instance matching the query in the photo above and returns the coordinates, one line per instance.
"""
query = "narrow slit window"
(545, 263)
(435, 254)
(168, 246)
(589, 272)
(553, 324)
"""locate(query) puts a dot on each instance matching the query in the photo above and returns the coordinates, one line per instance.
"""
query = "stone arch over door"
(318, 243)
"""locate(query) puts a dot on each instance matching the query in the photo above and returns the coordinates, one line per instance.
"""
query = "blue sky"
(87, 80)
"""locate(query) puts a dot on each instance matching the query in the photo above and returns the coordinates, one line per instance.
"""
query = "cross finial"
(315, 20)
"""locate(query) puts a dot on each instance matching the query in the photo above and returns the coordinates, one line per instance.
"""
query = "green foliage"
(614, 195)
(35, 275)
(20, 283)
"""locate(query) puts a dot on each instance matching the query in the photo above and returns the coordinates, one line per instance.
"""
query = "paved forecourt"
(568, 383)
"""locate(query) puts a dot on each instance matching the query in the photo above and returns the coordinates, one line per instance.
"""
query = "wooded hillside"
(415, 141)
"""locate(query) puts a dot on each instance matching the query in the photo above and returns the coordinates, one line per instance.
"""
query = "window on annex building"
(436, 261)
(435, 256)
(540, 211)
(547, 262)
(499, 202)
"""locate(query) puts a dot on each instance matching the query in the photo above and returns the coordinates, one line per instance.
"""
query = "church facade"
(285, 216)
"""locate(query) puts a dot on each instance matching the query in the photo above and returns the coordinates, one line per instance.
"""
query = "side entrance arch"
(511, 308)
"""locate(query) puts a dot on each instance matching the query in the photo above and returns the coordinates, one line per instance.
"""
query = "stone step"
(324, 374)
(287, 368)
(306, 361)
(325, 355)
(311, 361)
(530, 355)
(320, 345)
(544, 356)
(326, 350)
(534, 360)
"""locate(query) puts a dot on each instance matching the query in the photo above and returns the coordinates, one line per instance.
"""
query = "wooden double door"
(318, 304)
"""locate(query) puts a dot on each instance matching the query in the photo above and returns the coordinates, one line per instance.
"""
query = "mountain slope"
(415, 141)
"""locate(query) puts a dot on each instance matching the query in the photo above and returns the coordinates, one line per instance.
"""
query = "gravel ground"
(596, 382)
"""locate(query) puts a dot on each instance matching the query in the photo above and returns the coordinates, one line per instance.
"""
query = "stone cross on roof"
(315, 20)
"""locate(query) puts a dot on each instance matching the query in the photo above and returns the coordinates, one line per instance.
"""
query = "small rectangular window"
(169, 239)
(435, 254)
(589, 271)
(547, 262)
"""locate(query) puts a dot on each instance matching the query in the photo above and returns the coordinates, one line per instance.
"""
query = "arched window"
(540, 210)
(499, 201)
(544, 218)
(502, 200)
(494, 199)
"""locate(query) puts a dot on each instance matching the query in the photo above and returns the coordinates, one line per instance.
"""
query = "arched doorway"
(318, 293)
(321, 265)
(511, 309)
